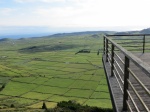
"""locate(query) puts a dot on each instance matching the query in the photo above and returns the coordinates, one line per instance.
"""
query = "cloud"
(50, 1)
(71, 2)
(92, 13)
(24, 1)
(6, 11)
(78, 13)
(44, 1)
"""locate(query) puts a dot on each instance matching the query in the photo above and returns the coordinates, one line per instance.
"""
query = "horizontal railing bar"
(118, 75)
(119, 57)
(109, 62)
(109, 46)
(109, 49)
(129, 42)
(116, 50)
(128, 39)
(135, 50)
(132, 46)
(129, 35)
(109, 53)
(119, 66)
(118, 82)
(133, 101)
(141, 100)
(143, 86)
(109, 57)
(129, 106)
(138, 62)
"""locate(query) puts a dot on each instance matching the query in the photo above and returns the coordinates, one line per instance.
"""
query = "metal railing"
(137, 40)
(127, 78)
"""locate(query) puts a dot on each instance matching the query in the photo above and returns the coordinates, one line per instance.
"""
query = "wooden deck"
(115, 91)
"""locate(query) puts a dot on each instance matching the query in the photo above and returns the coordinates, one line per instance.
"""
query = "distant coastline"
(16, 32)
(17, 36)
(40, 33)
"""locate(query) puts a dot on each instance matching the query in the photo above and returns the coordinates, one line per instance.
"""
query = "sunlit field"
(49, 69)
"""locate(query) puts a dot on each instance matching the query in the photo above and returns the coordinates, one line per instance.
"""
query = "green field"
(47, 69)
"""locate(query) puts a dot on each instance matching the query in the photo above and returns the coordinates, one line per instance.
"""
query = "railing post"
(143, 43)
(106, 50)
(104, 45)
(126, 77)
(112, 60)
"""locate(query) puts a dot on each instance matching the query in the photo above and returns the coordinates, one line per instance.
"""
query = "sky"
(63, 15)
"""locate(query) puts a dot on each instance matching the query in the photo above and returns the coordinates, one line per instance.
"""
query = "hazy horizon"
(64, 16)
(11, 30)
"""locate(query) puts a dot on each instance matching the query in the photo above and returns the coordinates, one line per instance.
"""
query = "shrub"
(72, 106)
(44, 106)
(12, 105)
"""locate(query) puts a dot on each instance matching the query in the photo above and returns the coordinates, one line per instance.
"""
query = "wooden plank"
(115, 92)
(117, 95)
(132, 57)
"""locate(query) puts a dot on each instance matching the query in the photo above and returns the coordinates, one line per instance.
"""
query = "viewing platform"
(126, 61)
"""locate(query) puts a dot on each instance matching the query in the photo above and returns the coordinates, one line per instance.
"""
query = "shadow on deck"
(128, 75)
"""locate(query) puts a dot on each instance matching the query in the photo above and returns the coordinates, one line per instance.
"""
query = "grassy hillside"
(49, 69)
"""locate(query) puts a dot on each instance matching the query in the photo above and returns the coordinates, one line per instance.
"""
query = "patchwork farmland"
(49, 69)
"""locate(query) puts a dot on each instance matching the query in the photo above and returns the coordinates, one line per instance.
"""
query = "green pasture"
(47, 69)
